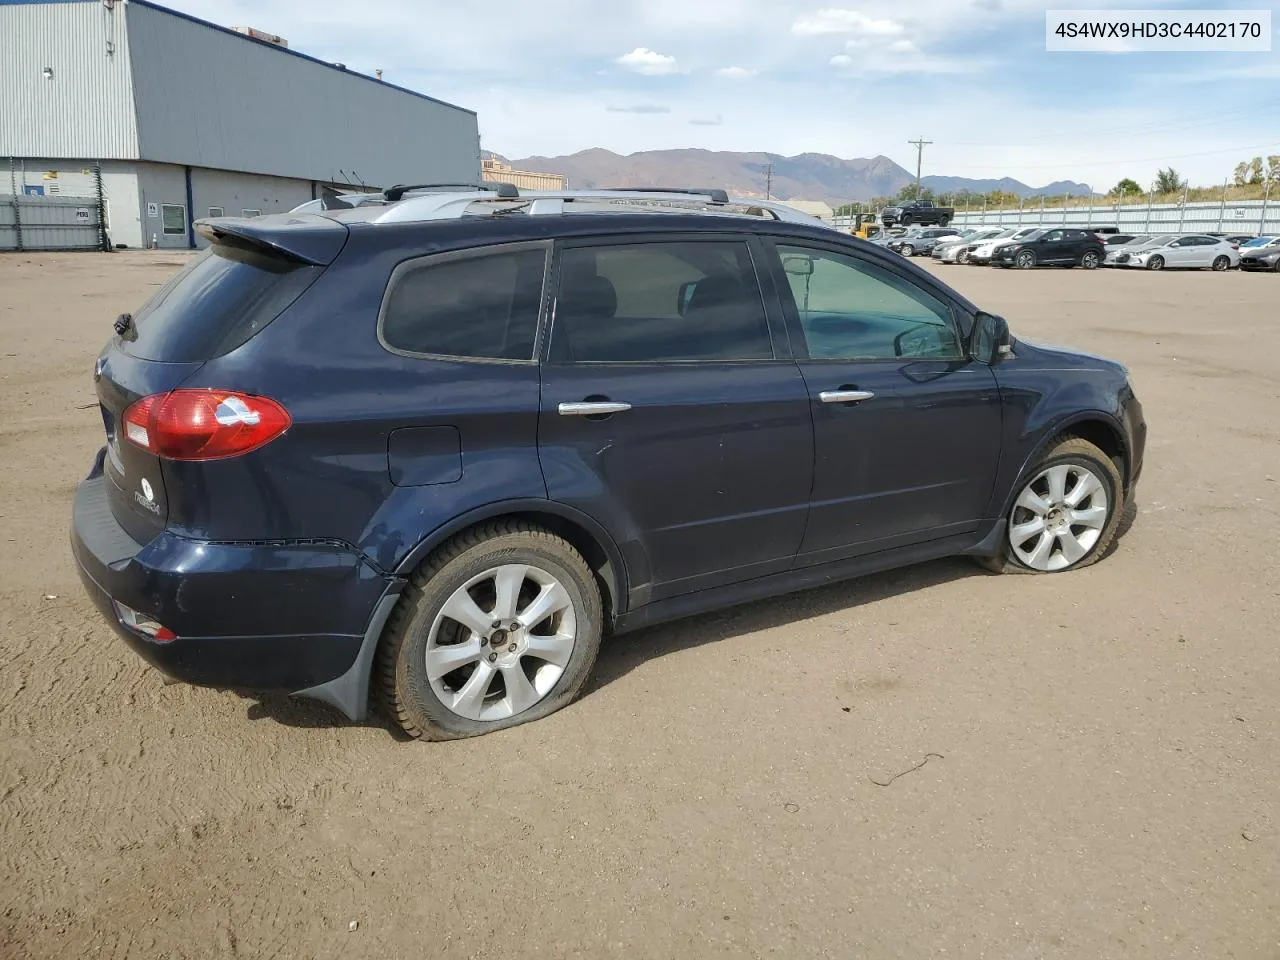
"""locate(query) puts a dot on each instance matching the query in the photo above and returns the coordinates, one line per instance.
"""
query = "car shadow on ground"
(620, 655)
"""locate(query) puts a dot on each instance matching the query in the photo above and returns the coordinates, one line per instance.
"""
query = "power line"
(919, 145)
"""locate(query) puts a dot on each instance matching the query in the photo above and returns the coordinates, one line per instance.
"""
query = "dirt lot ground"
(1103, 775)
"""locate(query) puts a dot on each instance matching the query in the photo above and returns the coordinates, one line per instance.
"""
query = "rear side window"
(482, 305)
(677, 300)
(222, 298)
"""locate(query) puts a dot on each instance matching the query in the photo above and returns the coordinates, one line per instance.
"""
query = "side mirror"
(798, 265)
(991, 341)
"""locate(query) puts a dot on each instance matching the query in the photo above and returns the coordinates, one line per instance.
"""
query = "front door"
(906, 427)
(672, 413)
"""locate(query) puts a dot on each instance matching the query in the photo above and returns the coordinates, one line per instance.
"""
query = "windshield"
(1162, 241)
(1025, 233)
(1033, 235)
(1260, 242)
(1002, 234)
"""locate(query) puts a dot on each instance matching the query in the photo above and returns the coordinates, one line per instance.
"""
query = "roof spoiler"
(303, 238)
(505, 191)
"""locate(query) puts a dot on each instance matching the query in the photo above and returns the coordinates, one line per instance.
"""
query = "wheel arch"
(583, 533)
(1099, 428)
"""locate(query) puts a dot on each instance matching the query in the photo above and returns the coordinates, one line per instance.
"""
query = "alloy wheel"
(1221, 263)
(501, 642)
(1058, 517)
(1026, 260)
(1089, 261)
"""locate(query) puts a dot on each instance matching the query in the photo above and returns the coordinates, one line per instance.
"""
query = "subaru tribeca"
(433, 449)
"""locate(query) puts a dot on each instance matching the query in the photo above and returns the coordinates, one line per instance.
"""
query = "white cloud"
(841, 60)
(735, 73)
(648, 62)
(903, 46)
(640, 108)
(701, 122)
(841, 20)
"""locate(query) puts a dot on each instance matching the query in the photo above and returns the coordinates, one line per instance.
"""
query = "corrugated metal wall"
(209, 98)
(85, 107)
(1235, 216)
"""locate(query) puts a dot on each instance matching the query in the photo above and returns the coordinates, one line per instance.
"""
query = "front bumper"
(1248, 263)
(262, 615)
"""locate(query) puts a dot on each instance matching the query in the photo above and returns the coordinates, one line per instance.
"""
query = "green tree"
(1168, 181)
(909, 192)
(1273, 168)
(1126, 188)
(1241, 175)
(1256, 172)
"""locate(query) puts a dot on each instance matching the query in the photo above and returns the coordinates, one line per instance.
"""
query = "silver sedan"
(1193, 252)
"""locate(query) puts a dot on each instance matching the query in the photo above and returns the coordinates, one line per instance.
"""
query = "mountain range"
(807, 176)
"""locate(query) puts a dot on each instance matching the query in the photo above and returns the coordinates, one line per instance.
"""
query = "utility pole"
(768, 182)
(919, 145)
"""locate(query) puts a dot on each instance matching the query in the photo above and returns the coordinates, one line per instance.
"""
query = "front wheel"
(962, 256)
(908, 250)
(498, 627)
(1155, 263)
(1090, 260)
(944, 222)
(1065, 514)
(1026, 260)
(1221, 263)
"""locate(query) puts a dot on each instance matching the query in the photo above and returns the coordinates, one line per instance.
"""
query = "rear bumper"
(262, 615)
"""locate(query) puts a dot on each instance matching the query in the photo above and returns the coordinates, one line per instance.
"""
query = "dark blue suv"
(433, 448)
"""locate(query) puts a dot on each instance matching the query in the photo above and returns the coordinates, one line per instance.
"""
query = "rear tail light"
(144, 625)
(203, 424)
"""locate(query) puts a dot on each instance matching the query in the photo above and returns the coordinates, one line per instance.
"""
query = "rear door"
(906, 427)
(672, 412)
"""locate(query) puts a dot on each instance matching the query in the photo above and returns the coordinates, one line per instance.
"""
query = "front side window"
(479, 306)
(850, 309)
(660, 301)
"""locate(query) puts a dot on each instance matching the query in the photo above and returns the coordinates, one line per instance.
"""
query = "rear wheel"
(1221, 263)
(1025, 260)
(1090, 260)
(1155, 263)
(498, 627)
(944, 222)
(1065, 514)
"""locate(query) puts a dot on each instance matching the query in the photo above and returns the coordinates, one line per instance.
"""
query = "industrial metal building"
(187, 119)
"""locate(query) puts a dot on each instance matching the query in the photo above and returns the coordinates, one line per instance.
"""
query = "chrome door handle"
(592, 408)
(845, 396)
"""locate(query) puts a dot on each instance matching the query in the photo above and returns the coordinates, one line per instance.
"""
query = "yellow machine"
(865, 225)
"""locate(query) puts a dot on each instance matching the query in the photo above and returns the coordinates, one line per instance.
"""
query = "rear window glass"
(220, 300)
(483, 306)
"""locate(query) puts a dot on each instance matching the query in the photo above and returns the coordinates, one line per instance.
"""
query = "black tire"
(907, 250)
(1090, 260)
(962, 256)
(1221, 263)
(1068, 449)
(1025, 260)
(1155, 263)
(403, 686)
(944, 222)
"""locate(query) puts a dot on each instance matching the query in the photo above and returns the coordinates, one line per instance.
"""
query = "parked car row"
(1028, 247)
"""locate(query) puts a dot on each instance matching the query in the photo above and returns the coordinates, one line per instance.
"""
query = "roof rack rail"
(506, 191)
(714, 194)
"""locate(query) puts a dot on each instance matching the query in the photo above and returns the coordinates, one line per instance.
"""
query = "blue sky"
(854, 79)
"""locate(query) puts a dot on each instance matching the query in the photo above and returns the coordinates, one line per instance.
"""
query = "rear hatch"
(249, 276)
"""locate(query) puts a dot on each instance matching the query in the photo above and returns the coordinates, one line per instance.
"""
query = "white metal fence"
(50, 223)
(1213, 216)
